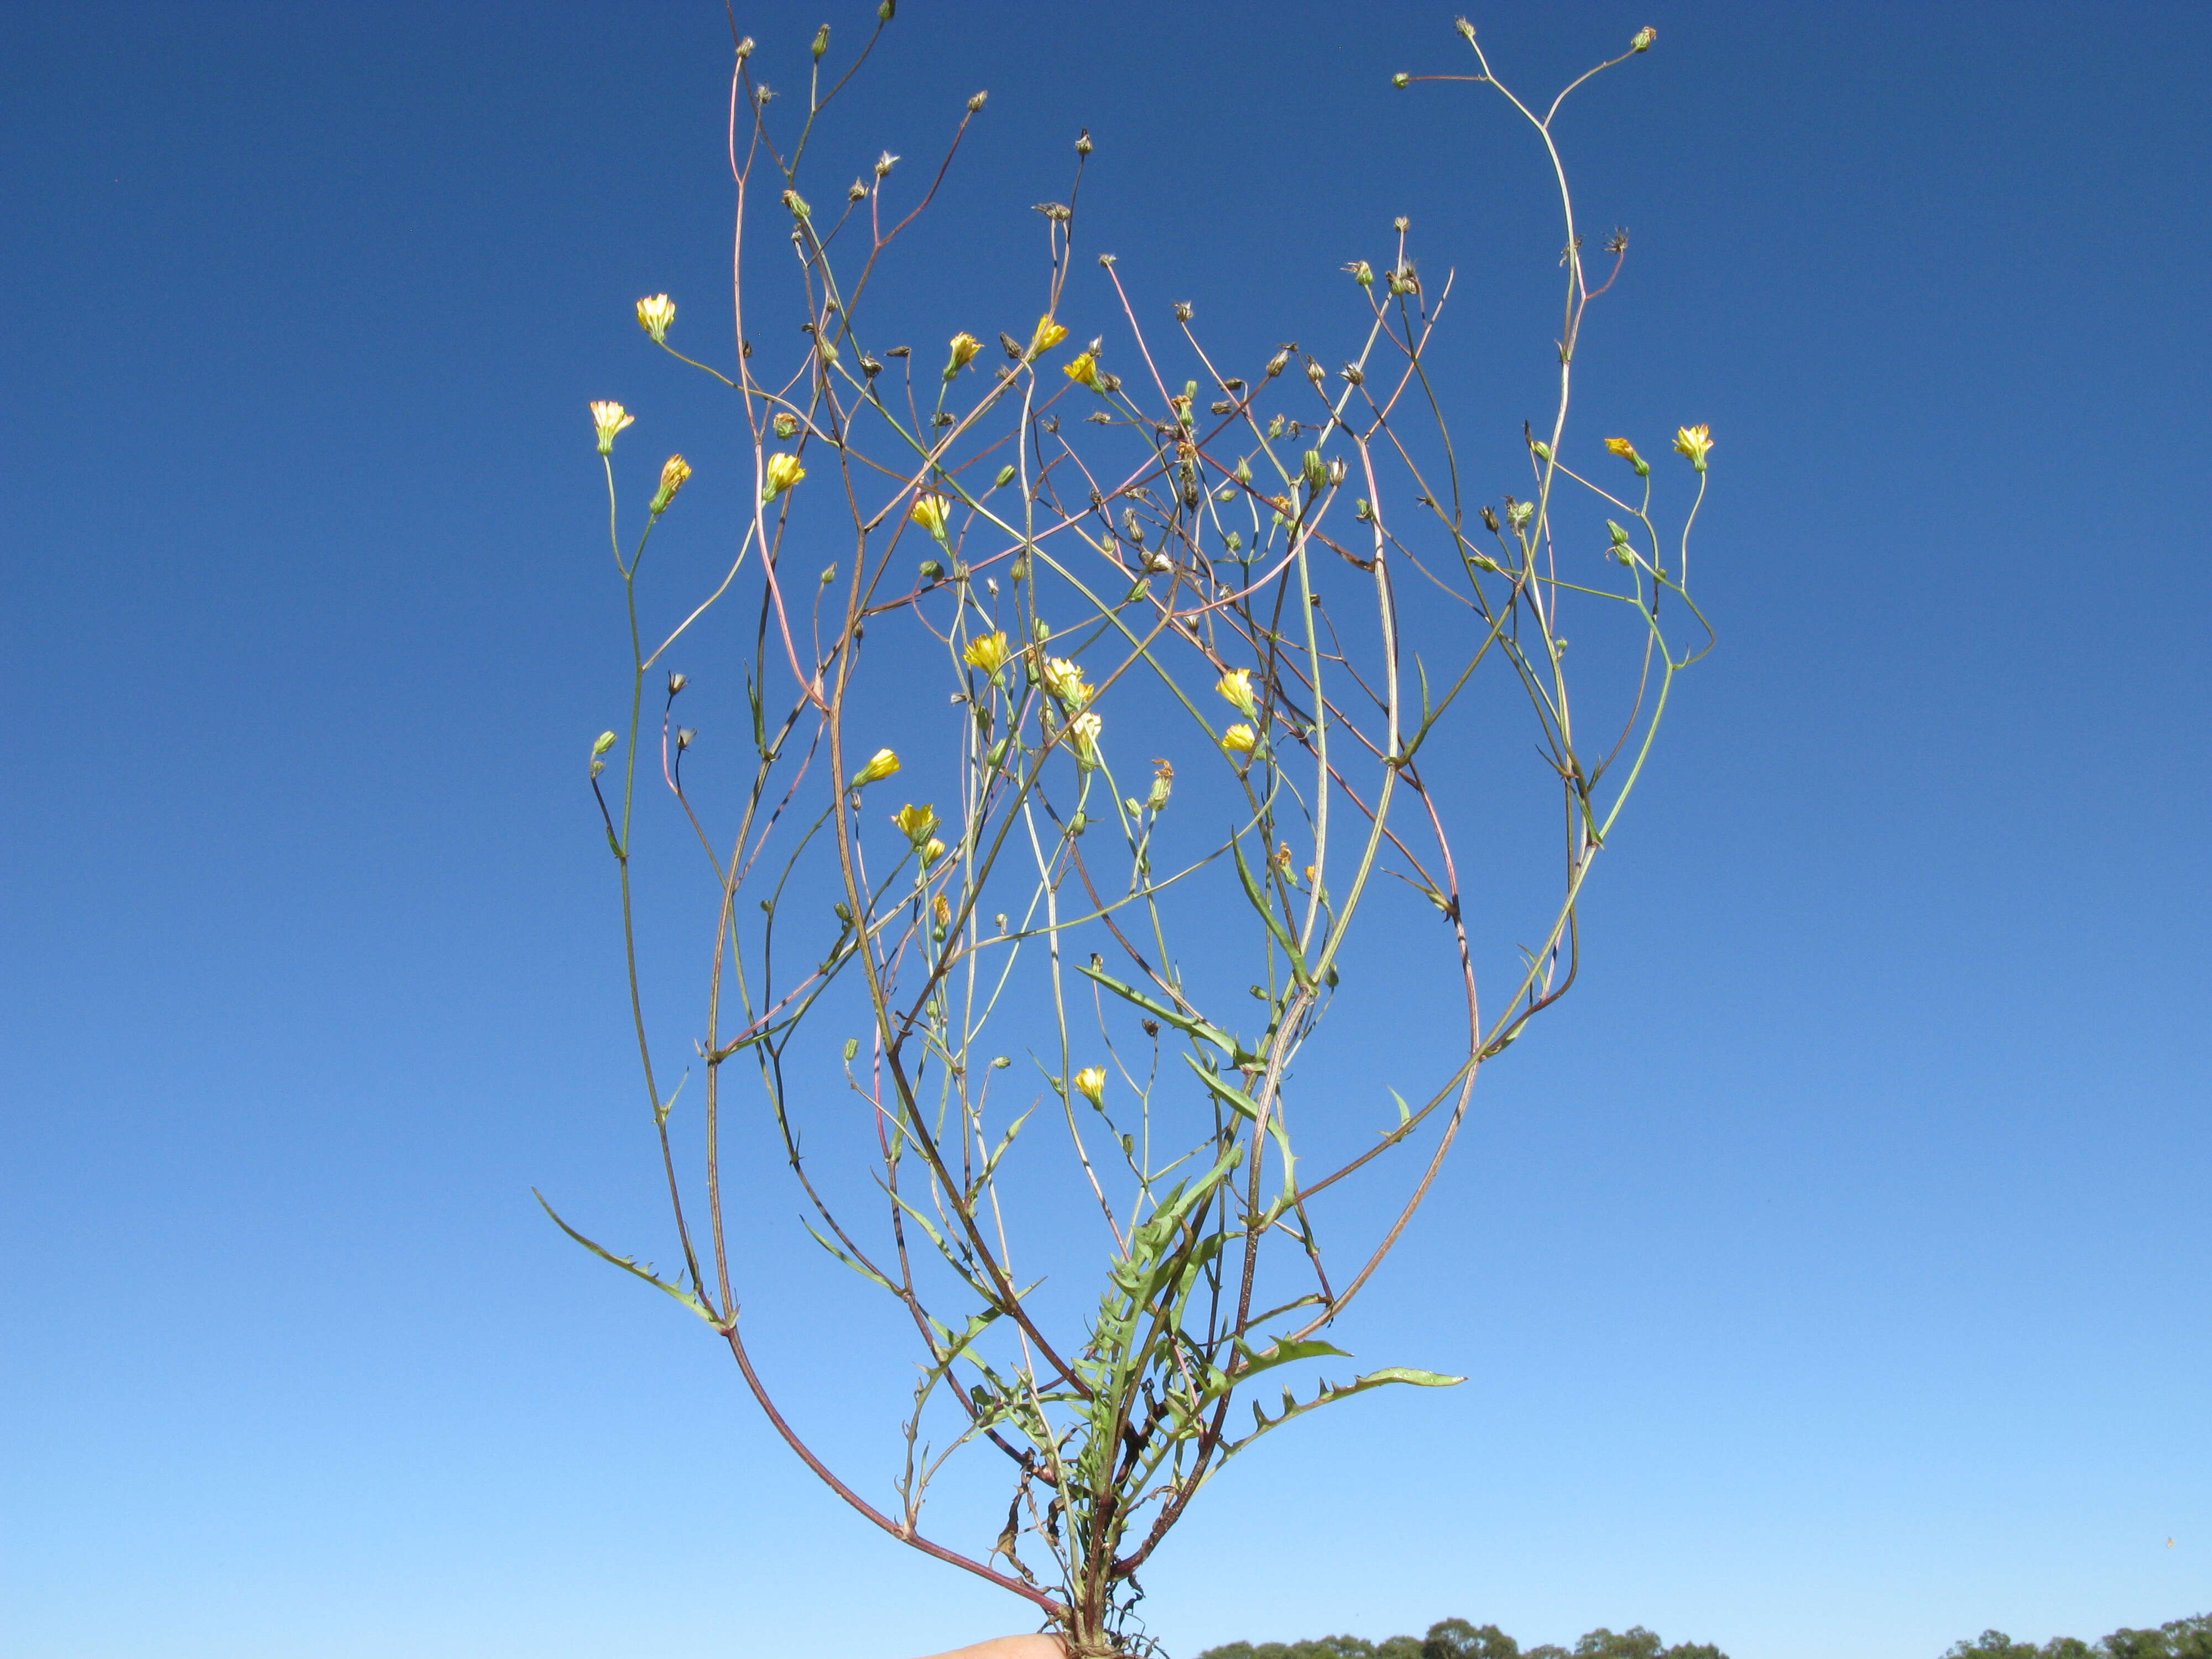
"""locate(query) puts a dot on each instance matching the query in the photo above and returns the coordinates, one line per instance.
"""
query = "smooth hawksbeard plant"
(1016, 1005)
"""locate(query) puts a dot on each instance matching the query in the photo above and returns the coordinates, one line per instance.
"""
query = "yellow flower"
(941, 910)
(610, 418)
(1236, 686)
(916, 823)
(673, 472)
(656, 315)
(988, 652)
(881, 765)
(929, 512)
(1048, 334)
(1083, 732)
(783, 471)
(964, 348)
(1064, 679)
(1083, 371)
(934, 851)
(1091, 1084)
(1626, 451)
(1240, 739)
(1696, 442)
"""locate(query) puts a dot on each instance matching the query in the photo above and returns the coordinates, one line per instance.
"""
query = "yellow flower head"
(964, 348)
(783, 471)
(655, 316)
(1240, 739)
(610, 418)
(930, 511)
(1083, 733)
(1064, 679)
(1091, 1084)
(1083, 371)
(1236, 686)
(916, 823)
(1696, 442)
(942, 910)
(673, 472)
(881, 765)
(1048, 334)
(1626, 451)
(934, 851)
(987, 652)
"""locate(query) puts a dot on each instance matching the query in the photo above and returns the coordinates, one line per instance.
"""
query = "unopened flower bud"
(1626, 451)
(1278, 363)
(881, 764)
(783, 471)
(1083, 141)
(797, 204)
(786, 426)
(1619, 536)
(1539, 449)
(976, 104)
(1316, 469)
(673, 472)
(1006, 476)
(1315, 372)
(821, 41)
(1644, 37)
(1489, 520)
(601, 744)
(1401, 79)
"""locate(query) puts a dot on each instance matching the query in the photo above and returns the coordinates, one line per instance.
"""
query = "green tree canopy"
(2182, 1638)
(1456, 1639)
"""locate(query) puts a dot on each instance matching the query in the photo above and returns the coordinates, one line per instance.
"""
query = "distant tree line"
(2183, 1639)
(1455, 1639)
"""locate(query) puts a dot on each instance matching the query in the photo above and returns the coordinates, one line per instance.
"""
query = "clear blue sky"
(1832, 1271)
